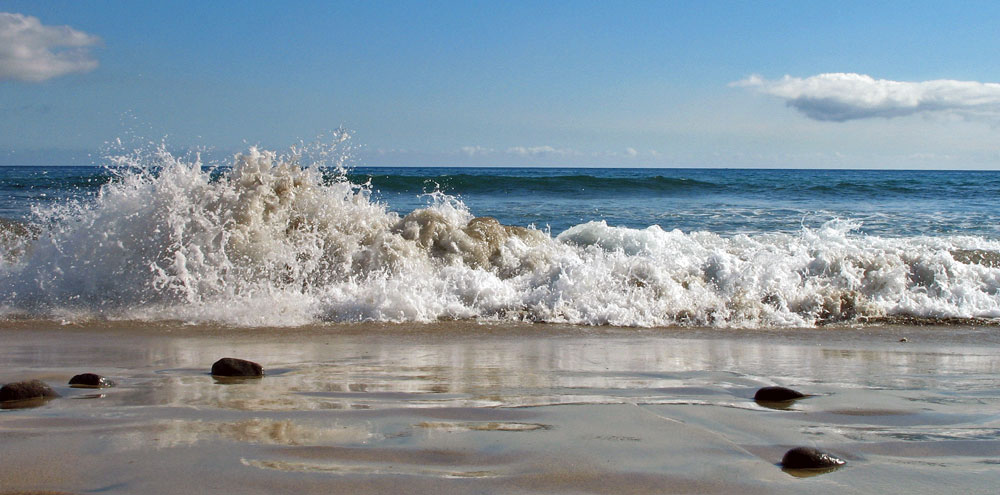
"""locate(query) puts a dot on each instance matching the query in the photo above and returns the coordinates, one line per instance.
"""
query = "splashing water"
(271, 242)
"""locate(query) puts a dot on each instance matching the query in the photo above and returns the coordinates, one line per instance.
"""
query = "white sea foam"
(271, 242)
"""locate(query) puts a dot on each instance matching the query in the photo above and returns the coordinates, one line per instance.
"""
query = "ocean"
(265, 241)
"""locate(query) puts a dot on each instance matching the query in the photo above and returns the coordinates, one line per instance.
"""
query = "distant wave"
(868, 188)
(558, 184)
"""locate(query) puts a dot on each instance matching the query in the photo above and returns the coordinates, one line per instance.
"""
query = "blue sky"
(635, 84)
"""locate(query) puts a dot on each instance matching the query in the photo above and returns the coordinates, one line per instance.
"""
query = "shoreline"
(887, 333)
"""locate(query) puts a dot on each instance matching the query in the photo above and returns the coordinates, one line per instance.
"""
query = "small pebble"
(777, 394)
(91, 380)
(810, 458)
(236, 367)
(31, 389)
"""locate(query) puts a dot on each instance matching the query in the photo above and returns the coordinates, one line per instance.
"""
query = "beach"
(467, 407)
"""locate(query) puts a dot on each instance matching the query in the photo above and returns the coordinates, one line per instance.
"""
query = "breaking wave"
(271, 241)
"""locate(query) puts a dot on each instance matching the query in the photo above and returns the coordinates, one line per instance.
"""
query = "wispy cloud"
(839, 97)
(33, 52)
(547, 151)
(542, 151)
(475, 150)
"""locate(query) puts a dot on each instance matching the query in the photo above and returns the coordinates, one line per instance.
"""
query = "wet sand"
(460, 407)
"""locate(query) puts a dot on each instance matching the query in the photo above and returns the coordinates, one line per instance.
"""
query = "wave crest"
(272, 242)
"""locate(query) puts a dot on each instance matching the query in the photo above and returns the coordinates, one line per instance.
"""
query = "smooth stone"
(810, 458)
(91, 380)
(777, 394)
(31, 389)
(236, 367)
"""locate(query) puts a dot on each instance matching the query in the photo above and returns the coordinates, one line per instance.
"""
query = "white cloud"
(551, 152)
(30, 51)
(840, 97)
(542, 151)
(475, 150)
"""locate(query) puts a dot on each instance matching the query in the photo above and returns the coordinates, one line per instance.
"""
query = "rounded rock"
(810, 458)
(777, 394)
(91, 380)
(31, 389)
(237, 367)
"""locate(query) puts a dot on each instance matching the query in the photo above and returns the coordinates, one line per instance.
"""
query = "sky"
(772, 84)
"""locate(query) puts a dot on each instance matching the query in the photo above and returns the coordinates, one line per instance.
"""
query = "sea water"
(273, 239)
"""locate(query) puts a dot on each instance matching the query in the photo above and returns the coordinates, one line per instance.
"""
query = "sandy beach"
(462, 407)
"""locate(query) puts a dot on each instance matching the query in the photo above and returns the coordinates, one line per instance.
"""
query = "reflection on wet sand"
(382, 469)
(490, 426)
(561, 412)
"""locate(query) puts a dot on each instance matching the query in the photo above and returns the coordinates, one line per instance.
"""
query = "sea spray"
(278, 240)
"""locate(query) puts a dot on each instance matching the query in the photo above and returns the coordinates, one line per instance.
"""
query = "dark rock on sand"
(91, 380)
(810, 458)
(237, 367)
(777, 394)
(31, 389)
